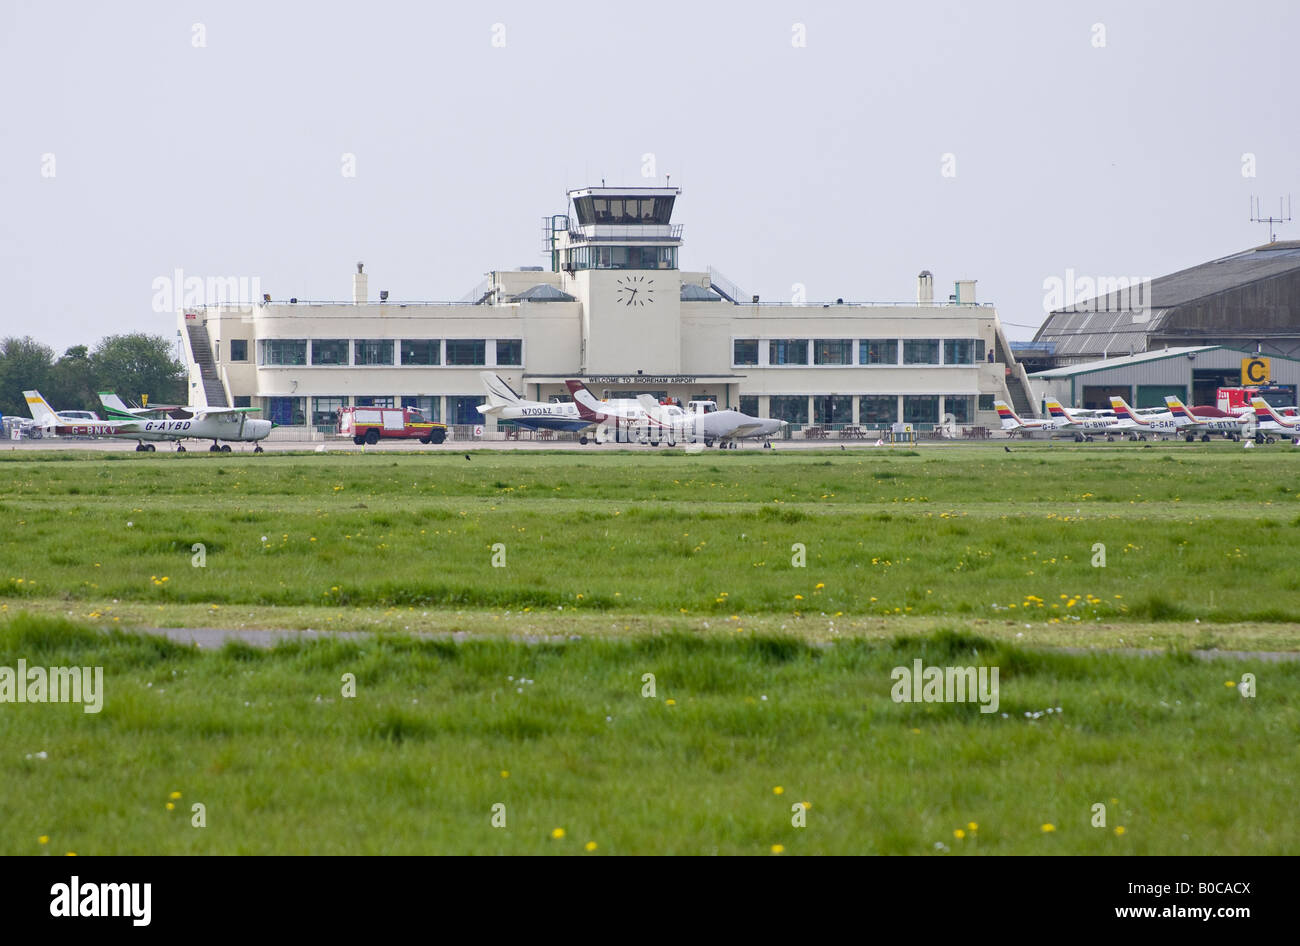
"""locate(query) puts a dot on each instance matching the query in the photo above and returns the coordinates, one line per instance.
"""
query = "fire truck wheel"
(425, 439)
(438, 435)
(372, 437)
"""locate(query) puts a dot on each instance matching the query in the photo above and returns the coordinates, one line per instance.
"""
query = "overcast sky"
(1005, 142)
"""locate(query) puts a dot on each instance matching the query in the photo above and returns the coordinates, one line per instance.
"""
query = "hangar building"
(1190, 373)
(1249, 300)
(615, 309)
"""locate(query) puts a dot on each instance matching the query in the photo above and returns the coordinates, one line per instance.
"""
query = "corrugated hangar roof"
(1122, 362)
(1107, 323)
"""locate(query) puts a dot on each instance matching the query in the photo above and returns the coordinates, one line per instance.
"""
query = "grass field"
(684, 566)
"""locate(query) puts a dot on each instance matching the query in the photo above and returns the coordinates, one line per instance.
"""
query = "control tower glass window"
(623, 211)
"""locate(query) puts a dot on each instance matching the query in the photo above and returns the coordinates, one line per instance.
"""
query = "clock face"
(636, 290)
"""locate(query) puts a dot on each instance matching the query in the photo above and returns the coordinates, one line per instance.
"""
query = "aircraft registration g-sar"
(150, 424)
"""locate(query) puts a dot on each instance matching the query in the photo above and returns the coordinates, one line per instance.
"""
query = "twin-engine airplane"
(1190, 423)
(648, 420)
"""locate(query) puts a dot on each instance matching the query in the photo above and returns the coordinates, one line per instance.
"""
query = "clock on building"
(635, 290)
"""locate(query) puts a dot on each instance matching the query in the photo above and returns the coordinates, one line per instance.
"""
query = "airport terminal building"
(613, 308)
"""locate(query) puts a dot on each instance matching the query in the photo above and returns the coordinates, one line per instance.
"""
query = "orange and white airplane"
(1268, 419)
(1085, 424)
(1013, 423)
(1137, 426)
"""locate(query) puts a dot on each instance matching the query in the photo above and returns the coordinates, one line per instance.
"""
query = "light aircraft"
(1190, 423)
(185, 423)
(1085, 424)
(726, 427)
(504, 404)
(1136, 426)
(1268, 419)
(1011, 421)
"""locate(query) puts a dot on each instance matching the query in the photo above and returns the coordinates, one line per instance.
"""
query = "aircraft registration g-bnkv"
(231, 424)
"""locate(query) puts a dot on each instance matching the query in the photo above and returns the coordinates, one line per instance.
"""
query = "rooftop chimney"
(925, 288)
(359, 285)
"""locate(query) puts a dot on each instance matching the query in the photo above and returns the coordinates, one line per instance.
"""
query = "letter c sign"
(1255, 371)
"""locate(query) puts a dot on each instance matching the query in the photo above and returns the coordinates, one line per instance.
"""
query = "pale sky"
(1103, 138)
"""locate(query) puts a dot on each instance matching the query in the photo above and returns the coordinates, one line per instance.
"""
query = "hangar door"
(1153, 395)
(1097, 396)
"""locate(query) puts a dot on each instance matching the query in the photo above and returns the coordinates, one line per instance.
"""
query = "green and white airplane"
(231, 424)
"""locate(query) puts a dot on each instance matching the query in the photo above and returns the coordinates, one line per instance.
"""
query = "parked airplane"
(725, 426)
(504, 404)
(185, 423)
(64, 424)
(617, 419)
(1136, 426)
(1012, 423)
(1084, 424)
(1268, 419)
(1190, 423)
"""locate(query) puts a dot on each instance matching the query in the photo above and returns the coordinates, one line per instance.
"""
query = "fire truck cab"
(370, 424)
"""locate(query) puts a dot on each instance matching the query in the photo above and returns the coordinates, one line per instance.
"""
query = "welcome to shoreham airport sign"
(642, 379)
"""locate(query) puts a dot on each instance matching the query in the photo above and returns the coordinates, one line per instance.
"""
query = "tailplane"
(42, 413)
(588, 407)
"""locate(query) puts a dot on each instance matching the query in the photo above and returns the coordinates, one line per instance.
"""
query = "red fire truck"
(1237, 400)
(369, 424)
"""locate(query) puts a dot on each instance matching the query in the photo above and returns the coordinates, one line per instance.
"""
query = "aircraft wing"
(203, 412)
(743, 430)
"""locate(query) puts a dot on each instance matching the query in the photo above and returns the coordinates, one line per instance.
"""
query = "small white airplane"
(1190, 424)
(1268, 421)
(1137, 426)
(1012, 422)
(504, 404)
(184, 423)
(1084, 424)
(701, 425)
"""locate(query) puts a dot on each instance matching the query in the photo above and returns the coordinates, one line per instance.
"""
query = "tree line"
(131, 365)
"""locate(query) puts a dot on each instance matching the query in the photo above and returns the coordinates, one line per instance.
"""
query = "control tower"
(617, 253)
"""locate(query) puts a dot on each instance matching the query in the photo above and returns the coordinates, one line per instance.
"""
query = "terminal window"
(959, 351)
(329, 351)
(878, 351)
(421, 351)
(373, 351)
(239, 349)
(510, 351)
(325, 412)
(877, 409)
(921, 409)
(284, 351)
(833, 410)
(744, 351)
(959, 406)
(466, 351)
(920, 351)
(791, 408)
(749, 404)
(787, 351)
(833, 351)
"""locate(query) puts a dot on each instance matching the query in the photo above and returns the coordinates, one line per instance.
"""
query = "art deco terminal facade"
(614, 308)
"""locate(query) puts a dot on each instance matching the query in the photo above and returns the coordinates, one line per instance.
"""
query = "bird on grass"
(1007, 449)
(467, 456)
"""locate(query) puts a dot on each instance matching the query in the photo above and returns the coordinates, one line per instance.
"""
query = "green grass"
(1189, 533)
(619, 564)
(414, 763)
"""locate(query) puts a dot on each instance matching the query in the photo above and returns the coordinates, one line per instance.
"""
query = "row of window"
(623, 210)
(293, 411)
(422, 352)
(874, 410)
(746, 352)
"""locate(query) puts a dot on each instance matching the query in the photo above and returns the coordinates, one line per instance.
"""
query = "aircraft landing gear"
(258, 449)
(180, 447)
(144, 448)
(214, 448)
(583, 440)
(1205, 438)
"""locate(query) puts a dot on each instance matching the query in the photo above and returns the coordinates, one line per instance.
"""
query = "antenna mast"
(1256, 215)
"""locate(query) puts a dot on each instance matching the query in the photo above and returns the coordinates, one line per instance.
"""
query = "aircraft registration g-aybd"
(184, 423)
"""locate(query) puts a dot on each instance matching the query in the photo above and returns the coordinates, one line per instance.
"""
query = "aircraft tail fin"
(1005, 414)
(42, 413)
(113, 404)
(1182, 416)
(588, 406)
(499, 393)
(1057, 412)
(1123, 411)
(1263, 412)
